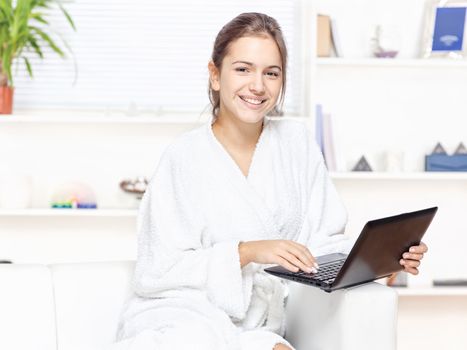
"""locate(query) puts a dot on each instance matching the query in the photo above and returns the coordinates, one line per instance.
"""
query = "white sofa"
(76, 306)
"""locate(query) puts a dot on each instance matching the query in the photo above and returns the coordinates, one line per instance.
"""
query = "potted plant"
(23, 28)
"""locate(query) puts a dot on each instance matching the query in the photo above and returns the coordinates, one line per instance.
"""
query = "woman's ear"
(213, 76)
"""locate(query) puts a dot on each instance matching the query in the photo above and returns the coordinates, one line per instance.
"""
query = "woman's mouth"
(253, 103)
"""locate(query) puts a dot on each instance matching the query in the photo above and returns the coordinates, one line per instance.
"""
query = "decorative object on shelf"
(439, 160)
(15, 190)
(460, 149)
(439, 149)
(384, 44)
(136, 186)
(398, 279)
(457, 282)
(23, 25)
(362, 165)
(74, 195)
(444, 29)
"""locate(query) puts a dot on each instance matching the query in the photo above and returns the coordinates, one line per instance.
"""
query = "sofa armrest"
(27, 318)
(362, 317)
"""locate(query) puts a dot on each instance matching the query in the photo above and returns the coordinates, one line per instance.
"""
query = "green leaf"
(33, 43)
(39, 18)
(28, 66)
(67, 15)
(49, 41)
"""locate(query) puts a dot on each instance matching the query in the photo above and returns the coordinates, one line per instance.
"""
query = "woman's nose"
(257, 84)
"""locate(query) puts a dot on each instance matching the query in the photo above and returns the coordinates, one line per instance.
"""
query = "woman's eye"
(273, 74)
(241, 69)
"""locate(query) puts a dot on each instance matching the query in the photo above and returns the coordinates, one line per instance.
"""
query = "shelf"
(398, 176)
(431, 291)
(98, 119)
(388, 62)
(110, 213)
(74, 118)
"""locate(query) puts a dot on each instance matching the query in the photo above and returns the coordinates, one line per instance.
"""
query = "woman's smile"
(254, 103)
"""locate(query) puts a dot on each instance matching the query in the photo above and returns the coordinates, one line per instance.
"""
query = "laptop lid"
(380, 246)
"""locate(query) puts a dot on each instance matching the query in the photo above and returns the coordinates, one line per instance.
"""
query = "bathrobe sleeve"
(326, 217)
(171, 255)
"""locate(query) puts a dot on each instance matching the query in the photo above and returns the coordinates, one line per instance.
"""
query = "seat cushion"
(27, 319)
(89, 298)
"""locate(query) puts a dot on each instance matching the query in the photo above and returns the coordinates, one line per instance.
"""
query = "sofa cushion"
(88, 300)
(27, 319)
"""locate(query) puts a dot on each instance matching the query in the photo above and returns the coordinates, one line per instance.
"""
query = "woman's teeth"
(252, 101)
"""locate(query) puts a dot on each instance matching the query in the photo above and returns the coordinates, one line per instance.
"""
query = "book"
(335, 39)
(319, 127)
(328, 143)
(449, 29)
(324, 136)
(324, 39)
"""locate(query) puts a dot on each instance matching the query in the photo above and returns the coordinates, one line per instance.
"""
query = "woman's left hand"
(411, 259)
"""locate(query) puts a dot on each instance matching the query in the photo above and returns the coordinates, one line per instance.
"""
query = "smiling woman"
(242, 191)
(247, 76)
(252, 52)
(228, 198)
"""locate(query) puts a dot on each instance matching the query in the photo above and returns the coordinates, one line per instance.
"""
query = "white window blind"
(144, 54)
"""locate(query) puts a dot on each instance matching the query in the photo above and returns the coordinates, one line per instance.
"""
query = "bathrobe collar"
(226, 167)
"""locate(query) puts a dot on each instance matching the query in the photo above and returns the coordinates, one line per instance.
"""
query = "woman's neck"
(236, 133)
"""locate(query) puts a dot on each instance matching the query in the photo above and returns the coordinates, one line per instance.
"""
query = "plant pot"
(6, 99)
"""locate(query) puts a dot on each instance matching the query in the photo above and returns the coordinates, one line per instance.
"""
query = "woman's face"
(250, 79)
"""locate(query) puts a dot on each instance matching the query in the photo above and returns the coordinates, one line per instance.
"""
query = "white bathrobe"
(189, 288)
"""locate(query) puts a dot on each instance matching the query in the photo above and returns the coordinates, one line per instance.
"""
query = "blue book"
(449, 29)
(319, 127)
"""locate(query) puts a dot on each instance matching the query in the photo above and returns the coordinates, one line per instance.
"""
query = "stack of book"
(325, 138)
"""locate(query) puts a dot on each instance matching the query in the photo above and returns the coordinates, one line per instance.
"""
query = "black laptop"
(375, 254)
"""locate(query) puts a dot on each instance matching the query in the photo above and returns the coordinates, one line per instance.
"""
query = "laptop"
(375, 254)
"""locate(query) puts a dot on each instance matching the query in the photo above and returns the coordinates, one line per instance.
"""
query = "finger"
(412, 270)
(305, 251)
(412, 256)
(301, 254)
(292, 259)
(420, 249)
(285, 264)
(410, 263)
(295, 249)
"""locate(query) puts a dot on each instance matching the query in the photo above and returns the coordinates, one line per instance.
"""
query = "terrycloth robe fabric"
(188, 285)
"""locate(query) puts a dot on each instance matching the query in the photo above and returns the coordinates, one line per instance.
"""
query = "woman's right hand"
(289, 254)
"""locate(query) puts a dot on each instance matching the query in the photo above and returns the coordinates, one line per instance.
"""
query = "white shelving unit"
(97, 119)
(431, 291)
(402, 176)
(405, 105)
(394, 63)
(72, 213)
(86, 118)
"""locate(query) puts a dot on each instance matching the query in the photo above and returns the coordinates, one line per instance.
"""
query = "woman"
(228, 197)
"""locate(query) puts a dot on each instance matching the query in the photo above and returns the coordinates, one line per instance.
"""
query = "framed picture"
(445, 29)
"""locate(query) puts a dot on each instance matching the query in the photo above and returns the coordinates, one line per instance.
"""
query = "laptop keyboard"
(326, 273)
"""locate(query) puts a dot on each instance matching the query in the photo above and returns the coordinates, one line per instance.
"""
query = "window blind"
(144, 55)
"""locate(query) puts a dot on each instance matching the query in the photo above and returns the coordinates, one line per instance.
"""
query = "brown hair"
(247, 24)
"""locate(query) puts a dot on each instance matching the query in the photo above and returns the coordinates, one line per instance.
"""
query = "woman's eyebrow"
(252, 64)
